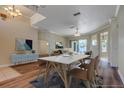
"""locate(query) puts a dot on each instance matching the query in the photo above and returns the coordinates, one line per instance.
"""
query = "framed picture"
(23, 44)
(58, 45)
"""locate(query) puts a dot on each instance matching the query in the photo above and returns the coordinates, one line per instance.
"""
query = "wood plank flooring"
(8, 73)
(111, 78)
(30, 71)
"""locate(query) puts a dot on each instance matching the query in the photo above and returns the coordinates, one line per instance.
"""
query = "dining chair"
(89, 53)
(87, 74)
(58, 52)
(96, 68)
(96, 62)
(87, 59)
(96, 65)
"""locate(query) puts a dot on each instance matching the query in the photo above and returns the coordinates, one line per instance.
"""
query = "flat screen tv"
(24, 44)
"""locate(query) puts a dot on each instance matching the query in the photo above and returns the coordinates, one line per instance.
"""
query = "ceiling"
(60, 19)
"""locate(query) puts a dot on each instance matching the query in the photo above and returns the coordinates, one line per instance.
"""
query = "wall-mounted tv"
(24, 44)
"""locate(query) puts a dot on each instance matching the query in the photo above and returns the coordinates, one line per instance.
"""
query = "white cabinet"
(23, 58)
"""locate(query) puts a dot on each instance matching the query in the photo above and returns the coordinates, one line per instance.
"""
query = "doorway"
(82, 45)
(79, 46)
(74, 45)
(104, 45)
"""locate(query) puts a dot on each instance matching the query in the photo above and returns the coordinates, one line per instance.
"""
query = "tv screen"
(23, 44)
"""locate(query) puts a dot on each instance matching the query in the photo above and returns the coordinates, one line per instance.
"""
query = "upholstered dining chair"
(96, 65)
(87, 74)
(85, 60)
(96, 62)
(89, 53)
(58, 52)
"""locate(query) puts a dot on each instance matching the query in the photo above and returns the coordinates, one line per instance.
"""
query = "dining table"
(62, 65)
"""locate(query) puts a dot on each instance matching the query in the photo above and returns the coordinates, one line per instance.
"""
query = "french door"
(79, 45)
(104, 45)
(82, 46)
(74, 45)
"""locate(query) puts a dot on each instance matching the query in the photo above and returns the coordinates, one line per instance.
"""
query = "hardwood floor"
(30, 71)
(8, 73)
(111, 78)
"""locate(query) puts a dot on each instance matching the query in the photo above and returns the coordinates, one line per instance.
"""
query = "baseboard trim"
(6, 65)
(113, 65)
(121, 76)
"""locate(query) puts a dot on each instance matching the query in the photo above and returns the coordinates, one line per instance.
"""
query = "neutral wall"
(51, 39)
(113, 43)
(9, 31)
(121, 40)
(43, 47)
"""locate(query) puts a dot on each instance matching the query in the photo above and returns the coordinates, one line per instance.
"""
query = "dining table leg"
(61, 69)
(65, 76)
(47, 73)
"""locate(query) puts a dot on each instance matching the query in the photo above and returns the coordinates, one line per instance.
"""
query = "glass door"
(74, 45)
(82, 45)
(79, 45)
(104, 45)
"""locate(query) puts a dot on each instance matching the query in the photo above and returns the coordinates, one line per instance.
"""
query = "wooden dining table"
(61, 64)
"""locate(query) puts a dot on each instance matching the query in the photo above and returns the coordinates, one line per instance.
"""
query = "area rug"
(55, 81)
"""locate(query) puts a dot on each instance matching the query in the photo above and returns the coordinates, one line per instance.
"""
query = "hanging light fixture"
(11, 10)
(77, 32)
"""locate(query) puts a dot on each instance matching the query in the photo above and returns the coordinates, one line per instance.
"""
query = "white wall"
(121, 40)
(52, 39)
(9, 31)
(113, 54)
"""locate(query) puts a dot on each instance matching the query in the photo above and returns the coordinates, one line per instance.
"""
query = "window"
(104, 41)
(94, 40)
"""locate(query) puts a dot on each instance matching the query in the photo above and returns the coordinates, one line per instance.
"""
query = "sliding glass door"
(82, 45)
(74, 45)
(79, 45)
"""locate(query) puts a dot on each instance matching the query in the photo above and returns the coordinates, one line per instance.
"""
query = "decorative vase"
(33, 51)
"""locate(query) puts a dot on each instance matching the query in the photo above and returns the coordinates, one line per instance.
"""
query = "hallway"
(111, 78)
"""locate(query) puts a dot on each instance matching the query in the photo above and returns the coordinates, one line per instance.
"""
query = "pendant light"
(77, 33)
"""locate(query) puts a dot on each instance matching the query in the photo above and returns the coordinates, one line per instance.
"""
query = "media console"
(23, 58)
